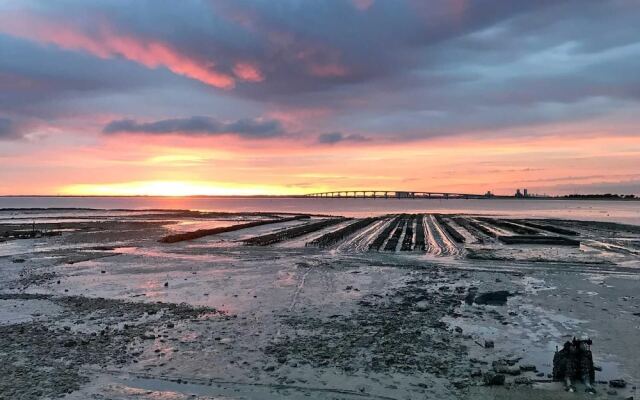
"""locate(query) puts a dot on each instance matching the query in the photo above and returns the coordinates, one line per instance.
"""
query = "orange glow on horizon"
(173, 189)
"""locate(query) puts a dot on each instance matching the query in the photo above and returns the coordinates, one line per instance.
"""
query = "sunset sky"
(282, 96)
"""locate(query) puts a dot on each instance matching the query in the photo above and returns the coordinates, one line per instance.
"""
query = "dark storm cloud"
(399, 70)
(38, 81)
(247, 128)
(337, 137)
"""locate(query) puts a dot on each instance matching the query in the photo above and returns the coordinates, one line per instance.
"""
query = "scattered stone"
(505, 367)
(166, 284)
(528, 368)
(52, 366)
(522, 380)
(489, 344)
(618, 383)
(493, 379)
(471, 295)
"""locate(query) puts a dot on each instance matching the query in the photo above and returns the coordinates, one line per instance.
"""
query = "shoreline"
(302, 196)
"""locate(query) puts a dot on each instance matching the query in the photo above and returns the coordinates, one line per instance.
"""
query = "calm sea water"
(619, 211)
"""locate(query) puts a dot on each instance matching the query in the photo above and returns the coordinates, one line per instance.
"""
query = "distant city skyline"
(250, 97)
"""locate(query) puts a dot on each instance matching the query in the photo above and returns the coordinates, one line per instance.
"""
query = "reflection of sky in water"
(195, 224)
(620, 211)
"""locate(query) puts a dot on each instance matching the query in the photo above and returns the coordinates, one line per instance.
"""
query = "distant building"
(525, 193)
(518, 193)
(403, 195)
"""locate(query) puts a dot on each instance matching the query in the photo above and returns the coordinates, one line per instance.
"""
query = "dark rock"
(471, 295)
(528, 368)
(498, 298)
(618, 383)
(489, 344)
(493, 379)
(505, 367)
(166, 284)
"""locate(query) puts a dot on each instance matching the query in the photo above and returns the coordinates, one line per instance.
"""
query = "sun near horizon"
(243, 99)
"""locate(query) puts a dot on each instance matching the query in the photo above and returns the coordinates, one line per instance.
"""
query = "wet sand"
(105, 311)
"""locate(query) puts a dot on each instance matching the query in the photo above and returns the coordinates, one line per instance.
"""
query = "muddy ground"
(104, 311)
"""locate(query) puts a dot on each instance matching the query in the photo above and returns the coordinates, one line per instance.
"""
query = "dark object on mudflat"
(534, 239)
(509, 226)
(550, 228)
(478, 227)
(493, 379)
(336, 236)
(618, 383)
(471, 295)
(489, 344)
(498, 298)
(407, 242)
(32, 234)
(379, 241)
(392, 243)
(200, 233)
(420, 239)
(291, 233)
(574, 362)
(455, 235)
(528, 368)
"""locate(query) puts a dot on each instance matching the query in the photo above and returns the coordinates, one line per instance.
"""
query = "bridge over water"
(395, 194)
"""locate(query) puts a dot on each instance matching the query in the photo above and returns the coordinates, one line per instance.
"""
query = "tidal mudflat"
(100, 305)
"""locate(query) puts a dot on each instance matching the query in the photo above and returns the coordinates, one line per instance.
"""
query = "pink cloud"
(105, 43)
(248, 72)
